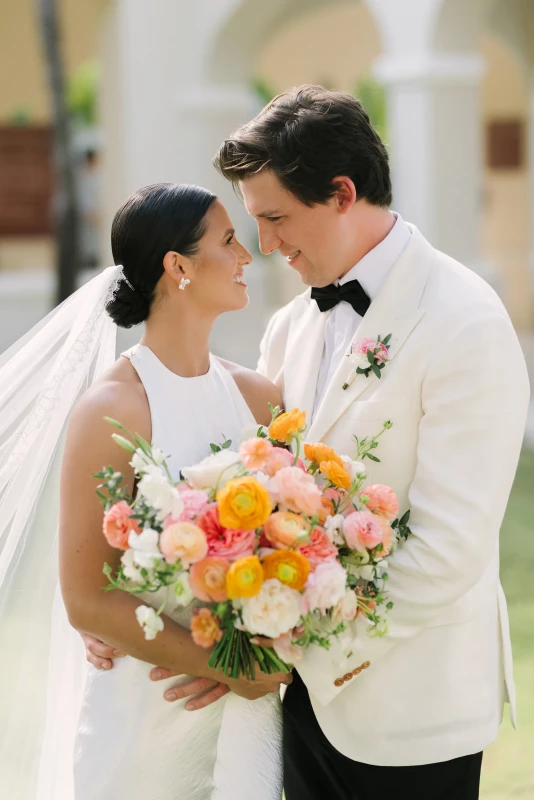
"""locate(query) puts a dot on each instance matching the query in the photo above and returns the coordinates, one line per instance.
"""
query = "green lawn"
(508, 771)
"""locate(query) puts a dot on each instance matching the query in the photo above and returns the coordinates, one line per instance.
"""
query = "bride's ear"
(176, 266)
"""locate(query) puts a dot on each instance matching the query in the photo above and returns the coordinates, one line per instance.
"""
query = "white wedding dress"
(130, 742)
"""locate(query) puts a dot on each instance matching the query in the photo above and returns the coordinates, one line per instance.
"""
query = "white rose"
(273, 611)
(345, 610)
(160, 494)
(182, 590)
(132, 572)
(354, 468)
(145, 548)
(357, 360)
(214, 471)
(333, 527)
(149, 621)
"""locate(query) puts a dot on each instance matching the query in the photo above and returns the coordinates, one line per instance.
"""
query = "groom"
(411, 712)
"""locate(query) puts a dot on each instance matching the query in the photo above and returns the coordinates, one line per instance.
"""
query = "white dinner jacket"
(456, 391)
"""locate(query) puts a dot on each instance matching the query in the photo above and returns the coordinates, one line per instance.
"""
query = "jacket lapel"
(303, 354)
(395, 310)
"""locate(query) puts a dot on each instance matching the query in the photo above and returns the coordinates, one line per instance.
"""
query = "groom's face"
(311, 238)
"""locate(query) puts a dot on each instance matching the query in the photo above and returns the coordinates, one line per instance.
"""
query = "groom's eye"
(274, 219)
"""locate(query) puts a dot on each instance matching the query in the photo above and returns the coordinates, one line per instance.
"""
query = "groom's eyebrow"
(275, 213)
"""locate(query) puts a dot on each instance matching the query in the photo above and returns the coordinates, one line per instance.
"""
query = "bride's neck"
(180, 339)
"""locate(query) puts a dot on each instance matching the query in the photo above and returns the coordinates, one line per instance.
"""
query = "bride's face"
(217, 270)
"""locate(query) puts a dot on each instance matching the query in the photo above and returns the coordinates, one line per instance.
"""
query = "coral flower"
(118, 524)
(283, 528)
(296, 490)
(286, 425)
(208, 579)
(244, 578)
(183, 541)
(382, 500)
(318, 548)
(364, 530)
(316, 453)
(230, 543)
(289, 567)
(244, 503)
(335, 474)
(205, 629)
(255, 453)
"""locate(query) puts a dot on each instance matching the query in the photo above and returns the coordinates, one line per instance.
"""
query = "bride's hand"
(98, 653)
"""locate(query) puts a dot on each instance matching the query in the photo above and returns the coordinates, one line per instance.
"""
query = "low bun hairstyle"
(153, 221)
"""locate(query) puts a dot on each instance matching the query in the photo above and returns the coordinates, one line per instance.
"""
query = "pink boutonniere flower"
(368, 355)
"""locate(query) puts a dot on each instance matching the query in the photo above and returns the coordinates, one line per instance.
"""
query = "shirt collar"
(373, 269)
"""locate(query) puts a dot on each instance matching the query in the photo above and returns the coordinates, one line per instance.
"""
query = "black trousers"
(315, 770)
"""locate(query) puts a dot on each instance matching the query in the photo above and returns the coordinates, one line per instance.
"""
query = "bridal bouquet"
(285, 545)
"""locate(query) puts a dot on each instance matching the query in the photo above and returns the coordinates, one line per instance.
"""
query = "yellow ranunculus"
(244, 578)
(243, 503)
(335, 474)
(321, 452)
(286, 425)
(289, 567)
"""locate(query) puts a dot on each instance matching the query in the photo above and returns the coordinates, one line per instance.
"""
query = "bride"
(182, 267)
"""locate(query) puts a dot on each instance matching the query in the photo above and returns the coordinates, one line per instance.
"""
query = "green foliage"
(82, 93)
(372, 96)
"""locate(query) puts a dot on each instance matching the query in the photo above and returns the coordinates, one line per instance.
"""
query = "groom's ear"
(346, 195)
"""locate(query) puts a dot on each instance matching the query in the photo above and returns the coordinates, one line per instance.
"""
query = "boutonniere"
(366, 356)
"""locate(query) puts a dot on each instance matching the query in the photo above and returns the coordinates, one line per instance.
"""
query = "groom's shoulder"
(280, 321)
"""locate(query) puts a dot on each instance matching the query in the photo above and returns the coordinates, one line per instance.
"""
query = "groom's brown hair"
(307, 137)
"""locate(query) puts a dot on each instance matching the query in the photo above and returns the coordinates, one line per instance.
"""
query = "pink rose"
(296, 491)
(280, 458)
(185, 542)
(361, 347)
(194, 500)
(364, 531)
(118, 524)
(255, 453)
(225, 542)
(318, 548)
(325, 587)
(382, 500)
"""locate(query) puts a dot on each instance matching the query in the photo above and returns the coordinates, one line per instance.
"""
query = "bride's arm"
(110, 616)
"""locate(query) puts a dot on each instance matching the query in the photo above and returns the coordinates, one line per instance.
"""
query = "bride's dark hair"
(153, 221)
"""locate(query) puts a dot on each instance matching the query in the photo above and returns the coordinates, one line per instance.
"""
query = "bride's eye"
(230, 239)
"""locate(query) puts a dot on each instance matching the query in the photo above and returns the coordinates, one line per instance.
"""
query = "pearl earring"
(183, 283)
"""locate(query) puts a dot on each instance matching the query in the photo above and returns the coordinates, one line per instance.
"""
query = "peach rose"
(185, 542)
(320, 452)
(244, 503)
(335, 474)
(255, 453)
(205, 629)
(382, 500)
(283, 528)
(318, 548)
(208, 579)
(286, 425)
(296, 491)
(118, 524)
(364, 531)
(230, 543)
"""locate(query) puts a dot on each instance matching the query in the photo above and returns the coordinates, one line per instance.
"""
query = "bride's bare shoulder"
(119, 394)
(257, 390)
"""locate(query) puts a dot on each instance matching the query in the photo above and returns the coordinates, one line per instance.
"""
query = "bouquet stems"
(235, 656)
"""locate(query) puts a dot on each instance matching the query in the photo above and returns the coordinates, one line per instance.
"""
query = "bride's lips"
(239, 279)
(292, 257)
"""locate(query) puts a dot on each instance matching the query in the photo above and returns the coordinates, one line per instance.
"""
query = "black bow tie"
(351, 292)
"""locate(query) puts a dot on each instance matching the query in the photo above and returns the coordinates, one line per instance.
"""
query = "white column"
(436, 147)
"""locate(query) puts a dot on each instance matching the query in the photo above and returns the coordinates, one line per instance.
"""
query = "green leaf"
(227, 444)
(360, 371)
(405, 518)
(215, 448)
(370, 357)
(373, 458)
(102, 496)
(376, 370)
(387, 340)
(144, 445)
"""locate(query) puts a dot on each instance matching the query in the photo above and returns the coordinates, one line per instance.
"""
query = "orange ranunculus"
(284, 528)
(335, 474)
(327, 509)
(243, 503)
(208, 579)
(320, 452)
(205, 629)
(244, 578)
(286, 425)
(289, 567)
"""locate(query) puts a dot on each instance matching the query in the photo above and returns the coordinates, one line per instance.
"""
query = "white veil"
(41, 378)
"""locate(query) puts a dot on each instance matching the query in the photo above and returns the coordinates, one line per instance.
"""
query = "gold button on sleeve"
(339, 682)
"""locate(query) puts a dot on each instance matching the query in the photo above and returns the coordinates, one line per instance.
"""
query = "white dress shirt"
(342, 323)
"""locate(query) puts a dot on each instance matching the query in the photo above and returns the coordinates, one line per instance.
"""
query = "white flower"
(160, 494)
(333, 527)
(182, 590)
(140, 461)
(357, 360)
(215, 470)
(262, 478)
(381, 629)
(346, 608)
(149, 621)
(367, 573)
(145, 547)
(128, 567)
(354, 468)
(325, 587)
(273, 611)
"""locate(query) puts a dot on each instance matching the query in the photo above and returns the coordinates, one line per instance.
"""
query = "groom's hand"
(203, 691)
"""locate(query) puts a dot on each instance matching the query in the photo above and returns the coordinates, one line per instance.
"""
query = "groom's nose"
(268, 240)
